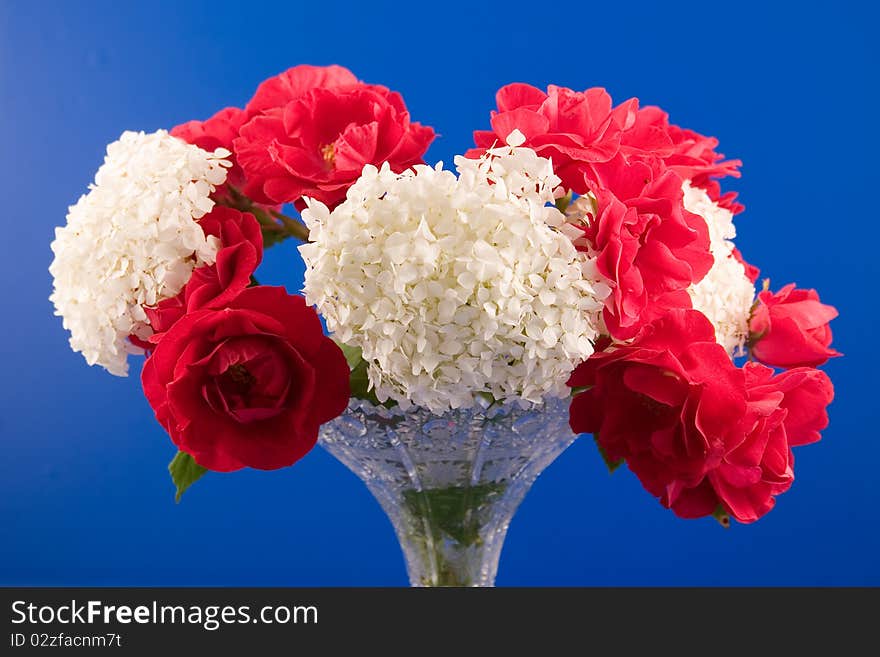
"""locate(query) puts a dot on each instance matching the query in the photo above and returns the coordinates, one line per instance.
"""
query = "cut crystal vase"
(449, 483)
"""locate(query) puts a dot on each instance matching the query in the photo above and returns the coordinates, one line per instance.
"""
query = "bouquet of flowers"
(580, 254)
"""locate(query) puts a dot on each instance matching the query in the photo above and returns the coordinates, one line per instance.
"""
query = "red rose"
(647, 244)
(700, 433)
(317, 140)
(248, 385)
(692, 155)
(782, 412)
(806, 392)
(213, 286)
(575, 129)
(665, 402)
(295, 82)
(790, 328)
(217, 132)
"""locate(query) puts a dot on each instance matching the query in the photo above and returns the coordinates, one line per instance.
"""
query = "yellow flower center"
(328, 152)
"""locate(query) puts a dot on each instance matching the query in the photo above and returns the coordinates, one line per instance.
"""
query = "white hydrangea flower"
(132, 240)
(725, 295)
(454, 286)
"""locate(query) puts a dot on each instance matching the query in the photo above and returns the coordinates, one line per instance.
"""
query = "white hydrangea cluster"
(725, 295)
(132, 240)
(454, 286)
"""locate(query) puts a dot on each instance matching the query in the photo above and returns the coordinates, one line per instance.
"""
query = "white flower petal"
(456, 285)
(132, 241)
(725, 295)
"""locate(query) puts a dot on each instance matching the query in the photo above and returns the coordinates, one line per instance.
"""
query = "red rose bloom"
(692, 155)
(295, 82)
(575, 129)
(790, 328)
(213, 286)
(700, 433)
(665, 403)
(217, 132)
(648, 246)
(248, 385)
(783, 411)
(316, 141)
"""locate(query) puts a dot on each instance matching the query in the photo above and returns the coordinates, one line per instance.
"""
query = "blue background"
(84, 493)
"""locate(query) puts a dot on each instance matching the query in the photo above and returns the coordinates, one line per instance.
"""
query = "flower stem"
(447, 531)
(269, 219)
(293, 227)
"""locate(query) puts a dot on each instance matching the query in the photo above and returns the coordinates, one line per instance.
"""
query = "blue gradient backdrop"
(84, 494)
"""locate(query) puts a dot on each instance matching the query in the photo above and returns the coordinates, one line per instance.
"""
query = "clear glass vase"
(449, 483)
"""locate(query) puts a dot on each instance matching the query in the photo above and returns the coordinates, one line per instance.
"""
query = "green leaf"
(184, 472)
(352, 354)
(610, 463)
(359, 381)
(360, 384)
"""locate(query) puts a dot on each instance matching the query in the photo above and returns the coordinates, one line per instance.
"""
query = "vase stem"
(450, 484)
(446, 532)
